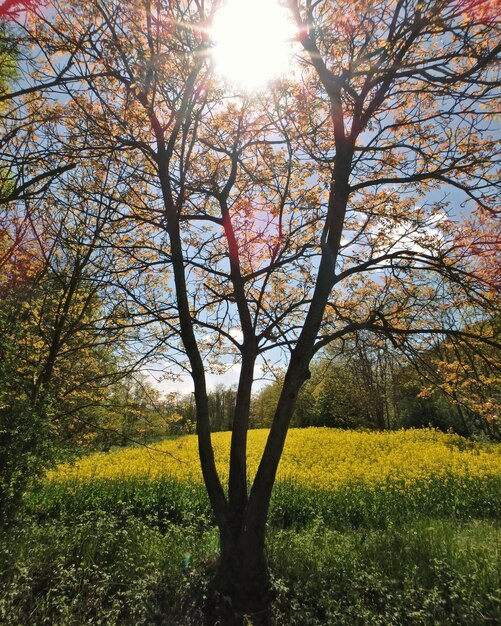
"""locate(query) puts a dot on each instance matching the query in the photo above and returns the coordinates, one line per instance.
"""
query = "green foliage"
(332, 397)
(8, 61)
(8, 71)
(426, 573)
(159, 502)
(165, 500)
(369, 387)
(421, 411)
(359, 506)
(343, 392)
(25, 449)
(101, 569)
(264, 405)
(133, 411)
(221, 405)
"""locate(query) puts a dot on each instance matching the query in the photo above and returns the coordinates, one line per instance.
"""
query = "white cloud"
(183, 384)
(420, 238)
(237, 335)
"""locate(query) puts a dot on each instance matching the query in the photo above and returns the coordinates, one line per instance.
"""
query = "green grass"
(99, 570)
(135, 551)
(430, 572)
(166, 500)
(104, 570)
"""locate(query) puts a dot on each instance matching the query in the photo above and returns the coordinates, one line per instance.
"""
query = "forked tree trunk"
(240, 589)
(241, 585)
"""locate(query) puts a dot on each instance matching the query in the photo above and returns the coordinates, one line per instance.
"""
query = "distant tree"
(421, 405)
(334, 397)
(331, 397)
(456, 387)
(351, 385)
(221, 403)
(264, 404)
(134, 412)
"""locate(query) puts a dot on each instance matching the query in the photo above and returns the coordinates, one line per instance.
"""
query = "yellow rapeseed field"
(315, 457)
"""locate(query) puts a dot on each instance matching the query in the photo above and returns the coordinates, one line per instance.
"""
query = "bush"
(25, 450)
(423, 574)
(102, 570)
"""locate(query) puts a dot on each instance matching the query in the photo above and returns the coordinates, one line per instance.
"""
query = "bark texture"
(240, 590)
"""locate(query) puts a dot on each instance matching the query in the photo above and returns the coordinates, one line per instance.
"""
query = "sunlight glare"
(253, 42)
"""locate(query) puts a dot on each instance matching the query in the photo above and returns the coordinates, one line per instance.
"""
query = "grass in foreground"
(102, 570)
(400, 529)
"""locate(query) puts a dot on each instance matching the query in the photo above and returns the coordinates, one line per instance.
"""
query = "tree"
(69, 329)
(64, 337)
(23, 441)
(221, 401)
(289, 219)
(456, 386)
(353, 383)
(133, 412)
(10, 9)
(333, 396)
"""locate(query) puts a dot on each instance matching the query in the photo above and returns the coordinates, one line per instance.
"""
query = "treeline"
(366, 384)
(361, 383)
(137, 412)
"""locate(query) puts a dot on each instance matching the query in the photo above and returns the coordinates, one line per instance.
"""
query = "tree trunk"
(240, 589)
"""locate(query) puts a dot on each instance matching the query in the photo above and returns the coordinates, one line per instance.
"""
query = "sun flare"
(252, 42)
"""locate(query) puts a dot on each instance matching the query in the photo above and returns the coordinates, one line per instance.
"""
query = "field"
(344, 477)
(365, 528)
(321, 458)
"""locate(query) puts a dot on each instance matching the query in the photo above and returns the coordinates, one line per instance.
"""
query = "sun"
(253, 42)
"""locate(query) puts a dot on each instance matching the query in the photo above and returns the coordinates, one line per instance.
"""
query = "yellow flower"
(320, 458)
